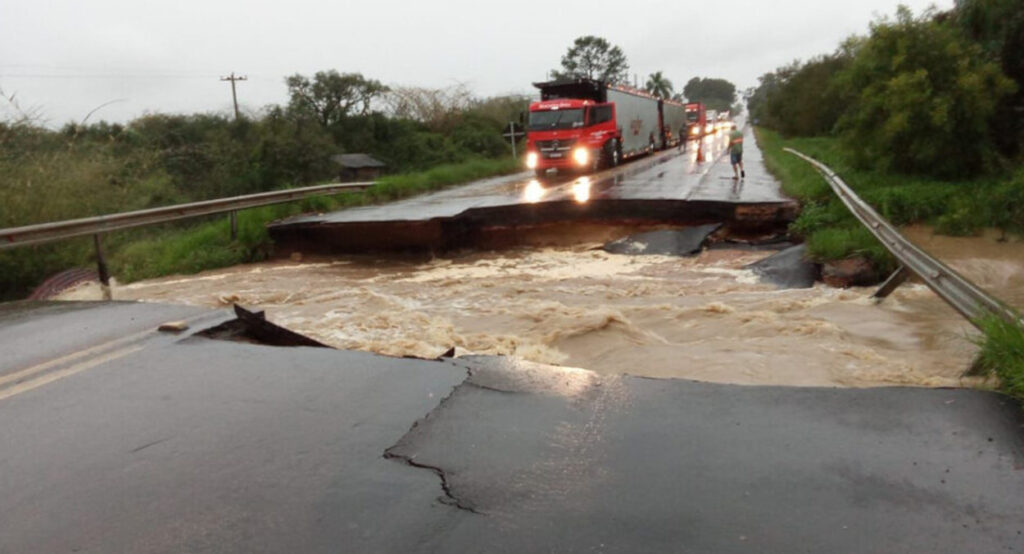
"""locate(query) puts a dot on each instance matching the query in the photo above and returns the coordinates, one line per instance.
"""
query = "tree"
(717, 94)
(998, 26)
(923, 97)
(801, 99)
(594, 58)
(330, 96)
(659, 85)
(438, 109)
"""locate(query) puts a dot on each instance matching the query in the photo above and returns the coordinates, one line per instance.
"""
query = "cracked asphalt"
(129, 440)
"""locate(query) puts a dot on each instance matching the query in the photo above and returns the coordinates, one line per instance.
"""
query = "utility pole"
(234, 95)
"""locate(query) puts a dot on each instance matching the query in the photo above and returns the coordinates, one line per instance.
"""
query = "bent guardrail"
(964, 296)
(96, 226)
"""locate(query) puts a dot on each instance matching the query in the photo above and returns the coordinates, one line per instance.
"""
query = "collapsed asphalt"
(192, 444)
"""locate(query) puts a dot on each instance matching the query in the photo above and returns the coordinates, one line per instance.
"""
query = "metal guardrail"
(49, 232)
(964, 296)
(96, 226)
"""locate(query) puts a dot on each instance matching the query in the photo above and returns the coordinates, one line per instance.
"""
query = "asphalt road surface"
(671, 187)
(123, 439)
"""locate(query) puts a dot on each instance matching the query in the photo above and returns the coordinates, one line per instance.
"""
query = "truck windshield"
(556, 119)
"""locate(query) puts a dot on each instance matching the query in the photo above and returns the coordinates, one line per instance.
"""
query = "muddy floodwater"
(703, 318)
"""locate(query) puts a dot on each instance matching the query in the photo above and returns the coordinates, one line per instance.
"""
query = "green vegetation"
(922, 99)
(913, 116)
(919, 95)
(157, 160)
(659, 85)
(717, 94)
(1001, 352)
(953, 207)
(429, 138)
(924, 119)
(190, 248)
(593, 57)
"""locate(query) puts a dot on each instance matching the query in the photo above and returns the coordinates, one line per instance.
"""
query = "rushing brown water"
(992, 261)
(701, 318)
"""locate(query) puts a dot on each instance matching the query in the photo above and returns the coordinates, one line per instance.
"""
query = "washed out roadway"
(181, 443)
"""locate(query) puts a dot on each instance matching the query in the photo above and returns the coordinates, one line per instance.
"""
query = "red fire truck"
(583, 125)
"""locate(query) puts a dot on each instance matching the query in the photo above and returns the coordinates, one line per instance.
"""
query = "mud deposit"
(702, 318)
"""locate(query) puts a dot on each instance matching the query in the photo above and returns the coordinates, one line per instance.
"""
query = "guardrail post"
(233, 216)
(892, 283)
(101, 266)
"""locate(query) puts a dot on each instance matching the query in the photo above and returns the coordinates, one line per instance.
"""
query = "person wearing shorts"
(736, 152)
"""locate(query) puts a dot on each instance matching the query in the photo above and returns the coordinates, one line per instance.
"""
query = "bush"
(924, 96)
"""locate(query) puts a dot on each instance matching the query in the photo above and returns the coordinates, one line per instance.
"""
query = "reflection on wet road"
(700, 173)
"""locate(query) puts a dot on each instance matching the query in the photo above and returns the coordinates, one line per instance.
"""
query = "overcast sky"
(64, 58)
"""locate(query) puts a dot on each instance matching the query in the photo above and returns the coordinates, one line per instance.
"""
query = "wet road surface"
(694, 186)
(188, 444)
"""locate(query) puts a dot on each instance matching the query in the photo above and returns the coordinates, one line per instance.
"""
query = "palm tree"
(658, 85)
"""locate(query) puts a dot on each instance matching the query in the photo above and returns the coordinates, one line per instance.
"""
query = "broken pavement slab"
(195, 445)
(189, 444)
(687, 241)
(788, 269)
(559, 459)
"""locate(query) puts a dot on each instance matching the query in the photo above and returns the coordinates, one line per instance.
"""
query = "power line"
(101, 76)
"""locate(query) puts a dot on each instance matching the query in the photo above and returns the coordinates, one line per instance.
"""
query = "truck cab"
(696, 119)
(570, 134)
(581, 125)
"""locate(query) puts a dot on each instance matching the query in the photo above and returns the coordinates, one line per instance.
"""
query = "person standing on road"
(736, 152)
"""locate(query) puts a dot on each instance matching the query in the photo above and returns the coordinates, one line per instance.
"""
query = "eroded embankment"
(702, 318)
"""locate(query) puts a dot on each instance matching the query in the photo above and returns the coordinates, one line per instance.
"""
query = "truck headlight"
(581, 156)
(694, 130)
(531, 160)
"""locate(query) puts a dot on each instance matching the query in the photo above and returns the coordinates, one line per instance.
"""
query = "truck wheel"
(609, 155)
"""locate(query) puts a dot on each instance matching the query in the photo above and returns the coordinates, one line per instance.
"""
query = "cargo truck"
(696, 119)
(582, 125)
(673, 123)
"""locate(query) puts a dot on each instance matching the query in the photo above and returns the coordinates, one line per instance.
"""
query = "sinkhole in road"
(703, 317)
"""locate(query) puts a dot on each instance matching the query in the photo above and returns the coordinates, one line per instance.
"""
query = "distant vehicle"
(673, 123)
(724, 120)
(583, 125)
(696, 119)
(712, 122)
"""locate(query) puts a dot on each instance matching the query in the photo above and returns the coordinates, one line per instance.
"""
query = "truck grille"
(558, 148)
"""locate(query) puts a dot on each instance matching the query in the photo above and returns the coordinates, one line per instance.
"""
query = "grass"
(208, 245)
(1001, 351)
(953, 207)
(192, 247)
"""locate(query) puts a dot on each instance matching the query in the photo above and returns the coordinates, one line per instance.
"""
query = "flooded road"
(702, 318)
